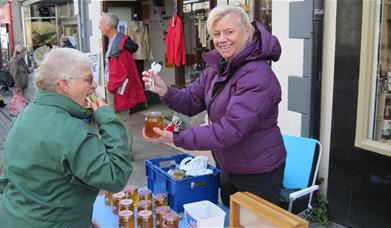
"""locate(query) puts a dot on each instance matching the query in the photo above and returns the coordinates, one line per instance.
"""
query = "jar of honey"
(160, 211)
(116, 198)
(144, 205)
(145, 219)
(126, 219)
(160, 199)
(126, 204)
(108, 198)
(171, 220)
(153, 119)
(131, 192)
(145, 194)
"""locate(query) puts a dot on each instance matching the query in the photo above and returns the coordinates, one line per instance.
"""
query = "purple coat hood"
(243, 134)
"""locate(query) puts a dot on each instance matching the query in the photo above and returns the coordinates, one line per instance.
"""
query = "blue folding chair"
(297, 181)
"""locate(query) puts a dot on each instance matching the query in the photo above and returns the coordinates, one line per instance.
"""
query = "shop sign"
(4, 14)
(95, 65)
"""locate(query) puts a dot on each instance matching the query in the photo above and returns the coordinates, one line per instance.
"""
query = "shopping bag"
(17, 103)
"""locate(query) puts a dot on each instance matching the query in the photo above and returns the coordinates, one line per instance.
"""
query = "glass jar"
(116, 198)
(131, 192)
(171, 220)
(126, 204)
(145, 219)
(160, 199)
(144, 205)
(160, 211)
(145, 194)
(126, 219)
(153, 119)
(108, 198)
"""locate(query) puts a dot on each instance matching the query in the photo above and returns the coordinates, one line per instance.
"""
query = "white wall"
(290, 63)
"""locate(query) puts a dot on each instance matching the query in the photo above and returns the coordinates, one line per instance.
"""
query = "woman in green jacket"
(54, 163)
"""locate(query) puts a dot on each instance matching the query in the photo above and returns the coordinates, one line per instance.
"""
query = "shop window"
(246, 5)
(374, 123)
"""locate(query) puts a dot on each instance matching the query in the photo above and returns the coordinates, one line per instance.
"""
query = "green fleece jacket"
(55, 164)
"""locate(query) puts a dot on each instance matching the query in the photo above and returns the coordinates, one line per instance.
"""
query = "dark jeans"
(266, 185)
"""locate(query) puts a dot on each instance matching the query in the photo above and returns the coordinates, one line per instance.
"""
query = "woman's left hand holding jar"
(165, 136)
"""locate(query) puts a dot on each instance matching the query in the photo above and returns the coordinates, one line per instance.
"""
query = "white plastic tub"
(204, 214)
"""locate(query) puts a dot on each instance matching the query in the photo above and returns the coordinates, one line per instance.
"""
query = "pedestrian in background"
(241, 94)
(124, 89)
(54, 163)
(65, 42)
(19, 69)
(46, 49)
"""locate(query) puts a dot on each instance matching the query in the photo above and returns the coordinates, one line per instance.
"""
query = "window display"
(382, 104)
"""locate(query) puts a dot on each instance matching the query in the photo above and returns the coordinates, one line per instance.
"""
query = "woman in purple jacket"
(241, 95)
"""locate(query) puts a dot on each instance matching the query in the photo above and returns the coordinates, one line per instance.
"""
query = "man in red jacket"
(123, 85)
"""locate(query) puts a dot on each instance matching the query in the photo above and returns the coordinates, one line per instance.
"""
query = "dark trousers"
(266, 185)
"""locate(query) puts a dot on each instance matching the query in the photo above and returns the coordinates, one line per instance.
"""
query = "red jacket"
(175, 44)
(122, 66)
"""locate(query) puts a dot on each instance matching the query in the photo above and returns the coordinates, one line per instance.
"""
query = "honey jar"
(126, 219)
(116, 198)
(108, 198)
(145, 219)
(153, 119)
(171, 220)
(144, 205)
(131, 192)
(145, 194)
(126, 204)
(160, 211)
(160, 199)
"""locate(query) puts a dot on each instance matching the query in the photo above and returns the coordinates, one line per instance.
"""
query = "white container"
(204, 214)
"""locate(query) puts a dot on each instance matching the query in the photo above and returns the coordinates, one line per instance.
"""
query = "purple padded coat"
(243, 134)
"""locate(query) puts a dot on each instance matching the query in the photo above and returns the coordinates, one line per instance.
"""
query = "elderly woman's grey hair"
(110, 19)
(19, 49)
(220, 12)
(61, 63)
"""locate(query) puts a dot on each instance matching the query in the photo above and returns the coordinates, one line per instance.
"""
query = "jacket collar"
(115, 46)
(47, 98)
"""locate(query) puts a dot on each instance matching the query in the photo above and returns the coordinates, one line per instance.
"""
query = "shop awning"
(52, 2)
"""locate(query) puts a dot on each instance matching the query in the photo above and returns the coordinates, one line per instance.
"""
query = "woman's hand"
(97, 103)
(165, 136)
(159, 86)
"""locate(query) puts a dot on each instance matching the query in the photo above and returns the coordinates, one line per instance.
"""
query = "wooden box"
(249, 210)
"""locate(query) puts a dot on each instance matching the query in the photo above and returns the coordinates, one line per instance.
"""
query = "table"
(105, 217)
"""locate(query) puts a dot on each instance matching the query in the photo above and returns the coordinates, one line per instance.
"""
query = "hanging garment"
(175, 43)
(138, 32)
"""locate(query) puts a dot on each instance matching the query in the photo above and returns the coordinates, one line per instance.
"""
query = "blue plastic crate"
(179, 192)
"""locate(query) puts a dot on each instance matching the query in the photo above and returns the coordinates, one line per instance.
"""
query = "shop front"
(6, 35)
(46, 22)
(359, 182)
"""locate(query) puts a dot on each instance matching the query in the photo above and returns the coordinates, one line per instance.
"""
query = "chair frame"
(312, 186)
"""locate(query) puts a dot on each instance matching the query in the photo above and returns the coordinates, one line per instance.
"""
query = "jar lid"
(171, 217)
(126, 202)
(144, 214)
(119, 195)
(144, 192)
(125, 213)
(160, 196)
(144, 203)
(155, 113)
(162, 209)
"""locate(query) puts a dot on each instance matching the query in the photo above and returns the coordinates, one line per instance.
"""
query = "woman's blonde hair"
(19, 49)
(61, 63)
(220, 12)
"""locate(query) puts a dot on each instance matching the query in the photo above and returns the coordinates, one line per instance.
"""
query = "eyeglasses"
(89, 80)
